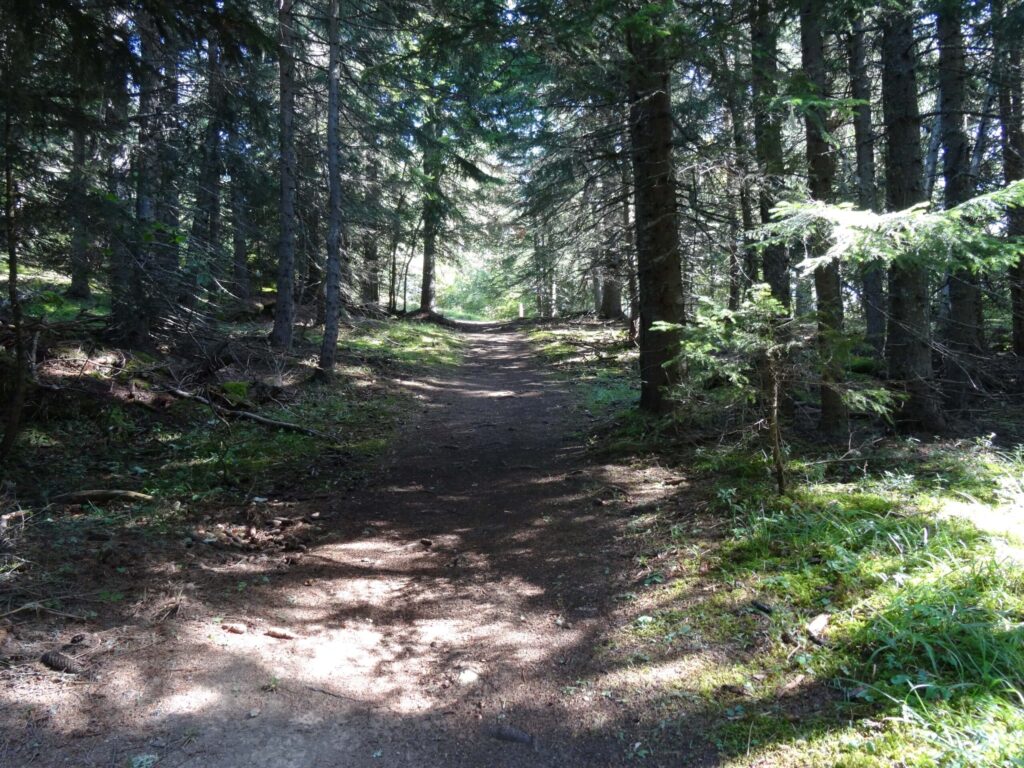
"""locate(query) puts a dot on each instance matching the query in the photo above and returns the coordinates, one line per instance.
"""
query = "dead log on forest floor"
(597, 351)
(248, 415)
(99, 494)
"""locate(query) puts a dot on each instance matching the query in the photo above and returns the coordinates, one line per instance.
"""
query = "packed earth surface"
(443, 615)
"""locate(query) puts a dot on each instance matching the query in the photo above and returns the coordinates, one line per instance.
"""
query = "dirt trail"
(452, 602)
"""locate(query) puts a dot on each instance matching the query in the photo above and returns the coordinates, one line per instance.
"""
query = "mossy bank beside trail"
(141, 435)
(127, 456)
(871, 616)
(668, 603)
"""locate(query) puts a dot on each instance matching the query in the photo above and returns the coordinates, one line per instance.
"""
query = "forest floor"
(526, 573)
(452, 611)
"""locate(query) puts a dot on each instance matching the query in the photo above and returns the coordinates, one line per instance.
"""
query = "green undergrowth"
(597, 358)
(184, 452)
(107, 421)
(409, 344)
(873, 616)
(43, 293)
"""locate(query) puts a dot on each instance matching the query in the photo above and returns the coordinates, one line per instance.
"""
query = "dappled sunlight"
(469, 587)
(424, 385)
(680, 669)
(1003, 519)
(189, 702)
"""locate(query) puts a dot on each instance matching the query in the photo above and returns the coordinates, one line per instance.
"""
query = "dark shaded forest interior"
(512, 383)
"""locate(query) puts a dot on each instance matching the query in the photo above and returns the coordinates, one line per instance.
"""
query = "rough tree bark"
(610, 306)
(433, 214)
(627, 236)
(117, 219)
(12, 417)
(764, 40)
(204, 238)
(284, 309)
(396, 242)
(908, 349)
(981, 136)
(963, 331)
(167, 271)
(931, 157)
(80, 268)
(611, 287)
(240, 279)
(1011, 137)
(78, 198)
(743, 270)
(542, 293)
(371, 248)
(332, 282)
(135, 325)
(656, 217)
(309, 249)
(821, 170)
(872, 282)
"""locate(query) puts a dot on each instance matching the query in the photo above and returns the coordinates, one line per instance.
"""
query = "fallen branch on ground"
(10, 517)
(251, 416)
(39, 607)
(598, 351)
(99, 494)
(336, 695)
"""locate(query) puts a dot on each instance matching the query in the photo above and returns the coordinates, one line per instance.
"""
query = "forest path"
(450, 612)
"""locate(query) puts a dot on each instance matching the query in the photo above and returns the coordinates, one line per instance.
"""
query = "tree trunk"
(610, 290)
(803, 299)
(136, 325)
(872, 283)
(433, 216)
(428, 289)
(628, 243)
(284, 309)
(393, 274)
(821, 170)
(657, 225)
(371, 279)
(963, 332)
(735, 272)
(746, 260)
(981, 136)
(240, 279)
(80, 268)
(743, 256)
(371, 249)
(309, 267)
(167, 272)
(396, 241)
(908, 349)
(1011, 137)
(931, 157)
(78, 198)
(14, 405)
(541, 295)
(408, 263)
(204, 239)
(764, 39)
(332, 282)
(117, 220)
